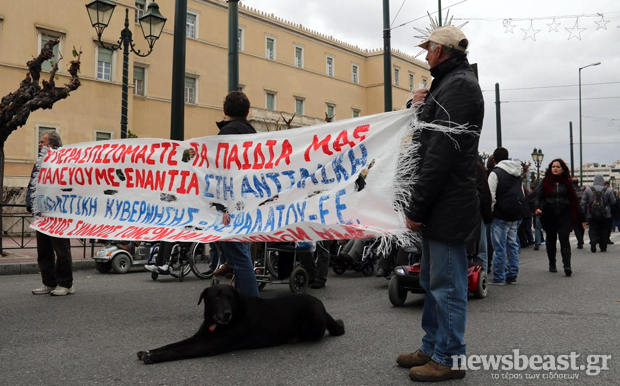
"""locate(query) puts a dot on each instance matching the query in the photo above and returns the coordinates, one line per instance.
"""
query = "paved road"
(90, 338)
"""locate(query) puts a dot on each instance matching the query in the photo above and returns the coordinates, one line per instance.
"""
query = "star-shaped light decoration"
(575, 32)
(601, 23)
(554, 26)
(530, 32)
(509, 26)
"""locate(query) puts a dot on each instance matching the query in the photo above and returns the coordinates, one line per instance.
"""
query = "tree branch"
(15, 108)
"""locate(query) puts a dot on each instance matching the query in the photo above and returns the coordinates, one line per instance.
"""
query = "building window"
(104, 64)
(396, 77)
(44, 37)
(241, 38)
(331, 110)
(410, 82)
(299, 56)
(139, 80)
(191, 26)
(355, 73)
(299, 106)
(356, 113)
(270, 100)
(190, 90)
(424, 83)
(140, 9)
(102, 135)
(270, 48)
(329, 63)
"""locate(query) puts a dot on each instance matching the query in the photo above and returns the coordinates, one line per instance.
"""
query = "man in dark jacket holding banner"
(444, 202)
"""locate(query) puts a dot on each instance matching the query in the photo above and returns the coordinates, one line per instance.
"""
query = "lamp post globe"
(537, 157)
(100, 13)
(152, 24)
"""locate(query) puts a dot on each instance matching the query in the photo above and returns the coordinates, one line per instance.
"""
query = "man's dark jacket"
(445, 196)
(236, 126)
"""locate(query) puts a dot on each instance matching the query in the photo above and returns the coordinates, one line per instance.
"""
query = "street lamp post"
(537, 157)
(580, 126)
(152, 24)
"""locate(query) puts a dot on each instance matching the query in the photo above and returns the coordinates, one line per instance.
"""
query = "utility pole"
(177, 115)
(439, 13)
(387, 57)
(498, 116)
(233, 45)
(572, 156)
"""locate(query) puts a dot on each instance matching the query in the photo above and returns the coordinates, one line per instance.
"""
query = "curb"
(30, 268)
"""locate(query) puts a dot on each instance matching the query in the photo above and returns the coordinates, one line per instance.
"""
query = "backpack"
(597, 208)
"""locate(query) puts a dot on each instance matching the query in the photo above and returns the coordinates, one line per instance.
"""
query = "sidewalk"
(21, 261)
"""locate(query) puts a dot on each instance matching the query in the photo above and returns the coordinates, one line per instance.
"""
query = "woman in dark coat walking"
(557, 203)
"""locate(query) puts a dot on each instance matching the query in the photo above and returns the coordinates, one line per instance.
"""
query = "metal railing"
(24, 238)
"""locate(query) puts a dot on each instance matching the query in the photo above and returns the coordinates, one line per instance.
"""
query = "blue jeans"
(615, 224)
(216, 259)
(240, 260)
(537, 231)
(443, 275)
(483, 254)
(528, 230)
(505, 242)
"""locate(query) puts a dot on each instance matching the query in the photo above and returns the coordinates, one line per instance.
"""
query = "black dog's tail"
(335, 327)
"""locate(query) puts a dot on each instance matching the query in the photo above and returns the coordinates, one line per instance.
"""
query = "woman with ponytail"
(557, 203)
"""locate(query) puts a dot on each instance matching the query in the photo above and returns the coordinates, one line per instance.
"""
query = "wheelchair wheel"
(396, 294)
(481, 291)
(154, 275)
(179, 262)
(368, 269)
(200, 260)
(272, 264)
(298, 281)
(339, 269)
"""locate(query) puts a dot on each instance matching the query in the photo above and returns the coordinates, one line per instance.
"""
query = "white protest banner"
(291, 185)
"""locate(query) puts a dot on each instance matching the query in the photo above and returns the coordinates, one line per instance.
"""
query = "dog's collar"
(212, 327)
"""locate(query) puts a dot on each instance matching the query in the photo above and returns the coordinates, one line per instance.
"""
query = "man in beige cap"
(444, 199)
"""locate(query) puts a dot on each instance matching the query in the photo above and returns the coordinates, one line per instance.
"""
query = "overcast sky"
(537, 116)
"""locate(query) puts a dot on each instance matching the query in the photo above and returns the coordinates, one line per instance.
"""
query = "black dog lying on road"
(235, 322)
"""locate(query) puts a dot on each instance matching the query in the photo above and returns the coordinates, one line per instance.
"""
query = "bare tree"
(15, 108)
(328, 118)
(287, 122)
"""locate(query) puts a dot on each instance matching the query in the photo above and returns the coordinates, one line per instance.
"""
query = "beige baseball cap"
(449, 36)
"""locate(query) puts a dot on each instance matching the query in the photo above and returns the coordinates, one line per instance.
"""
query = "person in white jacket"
(509, 206)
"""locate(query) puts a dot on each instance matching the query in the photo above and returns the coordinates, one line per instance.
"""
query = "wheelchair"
(281, 263)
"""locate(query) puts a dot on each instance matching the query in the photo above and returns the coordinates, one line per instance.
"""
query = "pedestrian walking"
(558, 206)
(595, 203)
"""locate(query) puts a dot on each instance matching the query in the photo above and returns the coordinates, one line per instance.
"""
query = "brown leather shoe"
(417, 358)
(223, 270)
(434, 372)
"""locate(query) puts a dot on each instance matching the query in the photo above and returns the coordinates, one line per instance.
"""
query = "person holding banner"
(53, 253)
(237, 254)
(444, 201)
